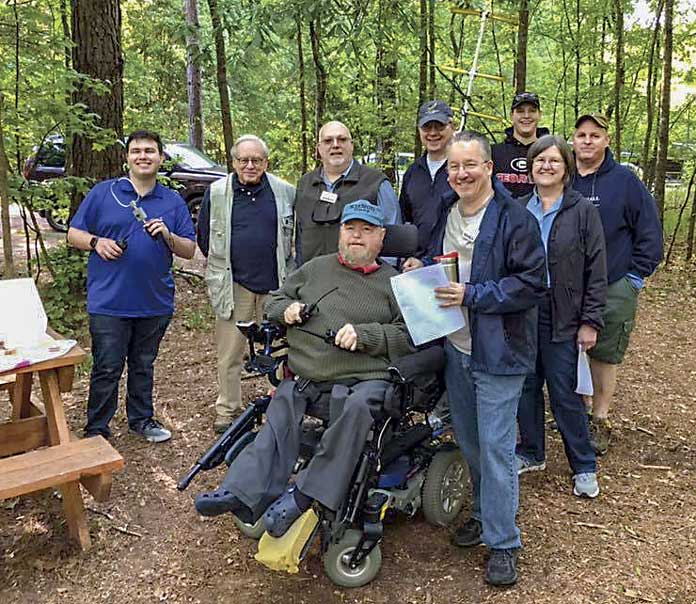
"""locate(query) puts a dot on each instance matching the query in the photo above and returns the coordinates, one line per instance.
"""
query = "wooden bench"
(7, 383)
(58, 465)
(38, 451)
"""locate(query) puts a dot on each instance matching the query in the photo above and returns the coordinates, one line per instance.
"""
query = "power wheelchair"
(408, 462)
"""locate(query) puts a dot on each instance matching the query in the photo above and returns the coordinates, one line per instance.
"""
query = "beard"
(360, 256)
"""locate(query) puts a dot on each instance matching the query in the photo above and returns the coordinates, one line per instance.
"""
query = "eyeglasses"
(338, 140)
(433, 126)
(467, 167)
(541, 161)
(254, 161)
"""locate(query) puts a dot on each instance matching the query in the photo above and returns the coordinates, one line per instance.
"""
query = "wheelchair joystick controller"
(308, 309)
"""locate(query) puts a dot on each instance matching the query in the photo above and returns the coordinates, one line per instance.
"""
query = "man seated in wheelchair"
(343, 345)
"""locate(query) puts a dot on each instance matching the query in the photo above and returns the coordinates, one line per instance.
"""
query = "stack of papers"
(425, 319)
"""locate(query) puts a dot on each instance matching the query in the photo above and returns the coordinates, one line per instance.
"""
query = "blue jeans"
(557, 366)
(484, 407)
(115, 339)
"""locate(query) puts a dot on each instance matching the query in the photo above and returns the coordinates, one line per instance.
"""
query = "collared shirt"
(545, 220)
(386, 198)
(253, 237)
(139, 283)
(365, 270)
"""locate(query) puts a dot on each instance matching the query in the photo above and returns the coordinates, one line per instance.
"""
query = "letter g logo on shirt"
(519, 164)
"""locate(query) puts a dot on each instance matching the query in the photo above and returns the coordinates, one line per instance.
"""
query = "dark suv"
(184, 164)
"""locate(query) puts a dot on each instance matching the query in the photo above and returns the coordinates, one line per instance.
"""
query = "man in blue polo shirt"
(132, 227)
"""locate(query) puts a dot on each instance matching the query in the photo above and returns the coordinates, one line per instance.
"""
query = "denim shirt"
(545, 220)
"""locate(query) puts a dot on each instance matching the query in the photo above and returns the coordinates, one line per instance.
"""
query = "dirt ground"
(632, 544)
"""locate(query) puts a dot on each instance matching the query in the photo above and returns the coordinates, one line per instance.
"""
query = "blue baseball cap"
(434, 111)
(363, 210)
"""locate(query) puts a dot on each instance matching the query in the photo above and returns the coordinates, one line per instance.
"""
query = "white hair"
(250, 138)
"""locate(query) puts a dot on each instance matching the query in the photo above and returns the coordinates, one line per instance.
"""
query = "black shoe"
(218, 502)
(469, 534)
(502, 567)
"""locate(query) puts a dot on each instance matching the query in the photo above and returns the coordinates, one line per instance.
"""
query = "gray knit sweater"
(365, 301)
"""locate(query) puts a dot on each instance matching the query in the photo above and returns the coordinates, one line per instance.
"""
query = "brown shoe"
(600, 435)
(221, 424)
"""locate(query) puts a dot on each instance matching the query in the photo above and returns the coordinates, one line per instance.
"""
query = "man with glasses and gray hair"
(324, 192)
(245, 229)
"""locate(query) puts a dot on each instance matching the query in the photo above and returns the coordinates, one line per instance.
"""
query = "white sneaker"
(154, 432)
(586, 485)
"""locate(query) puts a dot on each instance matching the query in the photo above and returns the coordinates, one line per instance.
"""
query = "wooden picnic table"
(37, 450)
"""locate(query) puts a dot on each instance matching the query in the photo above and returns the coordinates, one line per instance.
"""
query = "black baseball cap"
(434, 111)
(598, 118)
(526, 97)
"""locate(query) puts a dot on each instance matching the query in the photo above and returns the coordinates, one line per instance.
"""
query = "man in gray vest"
(324, 192)
(245, 230)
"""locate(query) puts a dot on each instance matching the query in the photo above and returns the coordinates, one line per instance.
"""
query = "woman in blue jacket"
(569, 317)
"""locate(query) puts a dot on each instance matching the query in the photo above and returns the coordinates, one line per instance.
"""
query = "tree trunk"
(423, 71)
(65, 23)
(96, 35)
(221, 71)
(578, 21)
(9, 267)
(320, 75)
(602, 64)
(663, 131)
(618, 76)
(431, 48)
(650, 94)
(17, 80)
(522, 37)
(692, 228)
(303, 95)
(193, 74)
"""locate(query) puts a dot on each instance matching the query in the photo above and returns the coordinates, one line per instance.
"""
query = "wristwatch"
(93, 242)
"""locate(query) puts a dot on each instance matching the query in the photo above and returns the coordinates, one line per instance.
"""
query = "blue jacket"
(420, 199)
(508, 281)
(632, 228)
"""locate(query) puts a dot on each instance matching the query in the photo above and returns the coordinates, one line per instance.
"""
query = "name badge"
(328, 197)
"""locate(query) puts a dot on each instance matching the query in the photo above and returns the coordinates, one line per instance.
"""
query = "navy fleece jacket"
(632, 228)
(420, 199)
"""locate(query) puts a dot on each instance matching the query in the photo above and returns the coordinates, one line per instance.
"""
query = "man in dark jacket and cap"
(425, 181)
(510, 157)
(633, 235)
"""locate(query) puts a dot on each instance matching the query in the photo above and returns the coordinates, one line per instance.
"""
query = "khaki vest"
(218, 274)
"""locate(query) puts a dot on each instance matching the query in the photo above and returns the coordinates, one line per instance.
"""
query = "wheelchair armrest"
(422, 363)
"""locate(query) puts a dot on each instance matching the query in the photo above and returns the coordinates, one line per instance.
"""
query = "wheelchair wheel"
(253, 531)
(338, 555)
(443, 489)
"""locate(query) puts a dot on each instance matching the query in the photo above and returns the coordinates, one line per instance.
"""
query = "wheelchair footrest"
(285, 553)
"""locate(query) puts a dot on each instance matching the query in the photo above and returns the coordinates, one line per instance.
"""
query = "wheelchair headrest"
(400, 240)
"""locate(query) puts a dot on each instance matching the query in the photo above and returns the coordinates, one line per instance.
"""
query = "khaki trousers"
(231, 346)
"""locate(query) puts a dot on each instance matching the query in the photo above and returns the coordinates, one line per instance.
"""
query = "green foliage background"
(262, 63)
